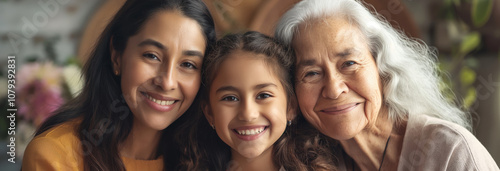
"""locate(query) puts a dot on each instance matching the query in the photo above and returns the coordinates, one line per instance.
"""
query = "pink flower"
(39, 91)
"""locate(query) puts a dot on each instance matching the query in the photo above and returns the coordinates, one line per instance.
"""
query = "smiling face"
(160, 68)
(247, 105)
(338, 86)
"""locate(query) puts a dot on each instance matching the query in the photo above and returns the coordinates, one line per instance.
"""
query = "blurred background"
(52, 39)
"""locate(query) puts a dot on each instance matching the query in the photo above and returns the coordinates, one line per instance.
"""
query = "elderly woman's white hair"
(407, 67)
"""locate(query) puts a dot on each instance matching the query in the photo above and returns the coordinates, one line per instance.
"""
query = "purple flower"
(39, 91)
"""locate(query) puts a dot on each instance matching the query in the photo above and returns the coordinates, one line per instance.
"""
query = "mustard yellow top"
(59, 148)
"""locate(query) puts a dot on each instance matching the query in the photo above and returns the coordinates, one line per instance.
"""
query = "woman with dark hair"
(140, 81)
(249, 103)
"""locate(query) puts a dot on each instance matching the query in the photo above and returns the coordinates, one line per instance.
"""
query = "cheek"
(372, 92)
(222, 119)
(133, 77)
(222, 115)
(374, 85)
(307, 95)
(276, 114)
(189, 85)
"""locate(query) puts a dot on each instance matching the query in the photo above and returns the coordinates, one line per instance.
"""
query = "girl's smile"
(249, 133)
(248, 104)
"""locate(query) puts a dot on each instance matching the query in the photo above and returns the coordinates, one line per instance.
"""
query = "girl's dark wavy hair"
(301, 147)
(106, 120)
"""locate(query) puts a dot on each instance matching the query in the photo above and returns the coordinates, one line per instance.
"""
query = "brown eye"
(312, 76)
(189, 65)
(151, 56)
(348, 64)
(230, 98)
(263, 96)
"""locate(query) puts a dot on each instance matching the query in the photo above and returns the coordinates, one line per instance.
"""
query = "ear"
(207, 111)
(115, 58)
(291, 113)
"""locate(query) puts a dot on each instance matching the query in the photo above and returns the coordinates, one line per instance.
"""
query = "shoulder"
(429, 128)
(432, 143)
(49, 149)
(62, 130)
(64, 133)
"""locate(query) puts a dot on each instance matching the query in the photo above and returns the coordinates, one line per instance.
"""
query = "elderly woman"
(376, 91)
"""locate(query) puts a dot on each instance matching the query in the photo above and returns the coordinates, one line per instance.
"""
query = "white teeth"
(250, 131)
(160, 102)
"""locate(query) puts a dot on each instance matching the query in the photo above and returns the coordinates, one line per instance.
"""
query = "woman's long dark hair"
(301, 147)
(106, 120)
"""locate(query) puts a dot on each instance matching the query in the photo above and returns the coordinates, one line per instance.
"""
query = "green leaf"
(469, 43)
(470, 97)
(481, 11)
(467, 76)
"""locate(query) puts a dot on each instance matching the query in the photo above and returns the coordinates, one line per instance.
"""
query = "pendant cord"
(383, 155)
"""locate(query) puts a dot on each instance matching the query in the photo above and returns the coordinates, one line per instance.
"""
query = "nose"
(248, 111)
(166, 78)
(334, 86)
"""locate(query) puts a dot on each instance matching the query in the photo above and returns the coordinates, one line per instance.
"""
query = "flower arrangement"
(41, 88)
(39, 91)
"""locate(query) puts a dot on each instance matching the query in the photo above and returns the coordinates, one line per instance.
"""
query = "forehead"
(172, 26)
(328, 34)
(245, 67)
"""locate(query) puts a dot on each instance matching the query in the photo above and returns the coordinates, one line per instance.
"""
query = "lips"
(253, 131)
(250, 133)
(158, 102)
(340, 109)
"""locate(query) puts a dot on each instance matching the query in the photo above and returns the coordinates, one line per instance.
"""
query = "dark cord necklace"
(383, 155)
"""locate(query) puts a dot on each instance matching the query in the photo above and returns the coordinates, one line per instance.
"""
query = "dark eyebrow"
(160, 46)
(260, 86)
(231, 88)
(153, 43)
(193, 53)
(226, 88)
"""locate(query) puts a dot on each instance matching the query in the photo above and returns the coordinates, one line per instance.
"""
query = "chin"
(250, 152)
(160, 125)
(339, 135)
(342, 138)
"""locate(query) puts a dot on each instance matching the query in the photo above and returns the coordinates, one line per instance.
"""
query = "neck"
(262, 162)
(141, 143)
(367, 148)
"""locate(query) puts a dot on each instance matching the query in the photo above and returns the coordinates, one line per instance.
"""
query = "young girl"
(249, 103)
(143, 74)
